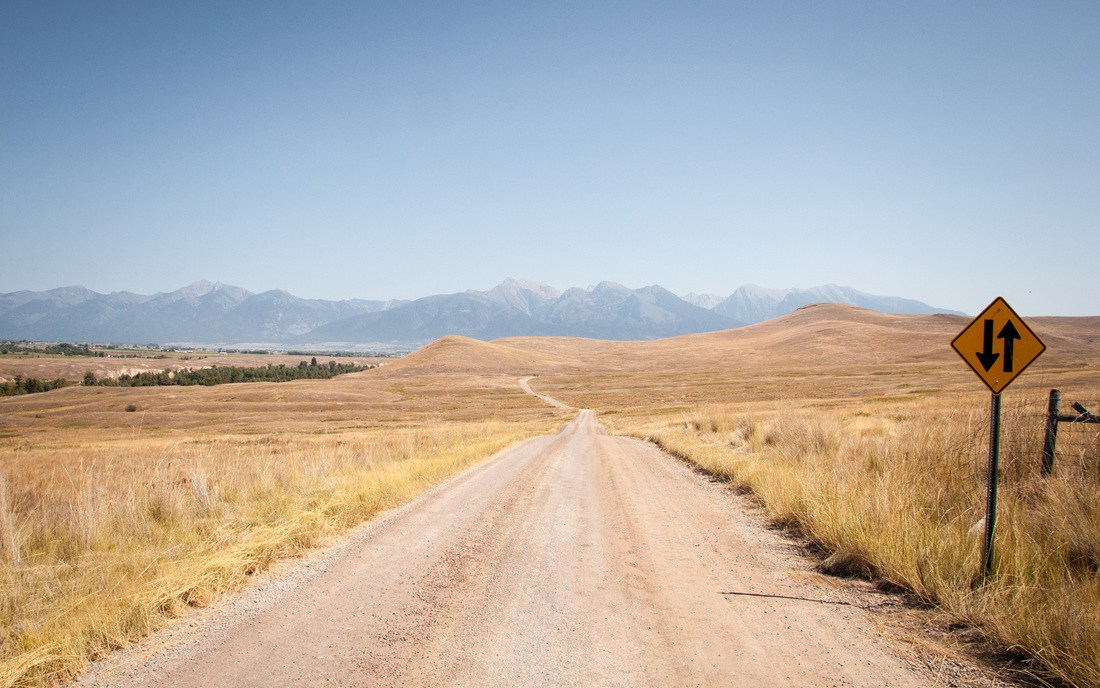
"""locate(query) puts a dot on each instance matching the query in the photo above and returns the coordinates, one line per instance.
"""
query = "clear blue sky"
(948, 152)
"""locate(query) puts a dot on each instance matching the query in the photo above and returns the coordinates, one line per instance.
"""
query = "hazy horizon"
(522, 280)
(939, 152)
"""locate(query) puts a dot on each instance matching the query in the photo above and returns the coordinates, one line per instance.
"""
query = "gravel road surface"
(578, 559)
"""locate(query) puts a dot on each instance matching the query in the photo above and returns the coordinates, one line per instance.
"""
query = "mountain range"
(215, 313)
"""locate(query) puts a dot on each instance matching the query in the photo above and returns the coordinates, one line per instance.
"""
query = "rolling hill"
(812, 337)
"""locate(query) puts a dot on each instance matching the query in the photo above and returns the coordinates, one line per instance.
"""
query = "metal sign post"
(991, 484)
(997, 345)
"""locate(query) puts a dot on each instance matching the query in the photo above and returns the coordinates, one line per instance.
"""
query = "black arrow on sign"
(987, 357)
(1010, 335)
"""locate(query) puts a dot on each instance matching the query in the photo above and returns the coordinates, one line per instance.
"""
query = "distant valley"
(217, 314)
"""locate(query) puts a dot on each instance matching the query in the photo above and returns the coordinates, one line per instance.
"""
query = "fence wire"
(1077, 451)
(1023, 431)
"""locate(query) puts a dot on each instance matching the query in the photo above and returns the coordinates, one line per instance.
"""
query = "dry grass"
(870, 436)
(895, 490)
(113, 522)
(863, 430)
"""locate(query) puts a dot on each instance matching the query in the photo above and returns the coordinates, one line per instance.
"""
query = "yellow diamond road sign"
(998, 345)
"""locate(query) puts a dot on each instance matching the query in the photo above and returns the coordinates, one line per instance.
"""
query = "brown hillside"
(816, 336)
(1070, 341)
(825, 335)
(454, 354)
(813, 336)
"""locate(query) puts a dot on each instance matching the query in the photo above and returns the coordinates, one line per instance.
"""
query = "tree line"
(8, 346)
(222, 375)
(29, 385)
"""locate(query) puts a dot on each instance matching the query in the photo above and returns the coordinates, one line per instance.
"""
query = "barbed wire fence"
(1071, 440)
(1033, 446)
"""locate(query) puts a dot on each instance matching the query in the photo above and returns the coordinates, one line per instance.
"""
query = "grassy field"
(862, 431)
(112, 522)
(896, 491)
(883, 466)
(867, 434)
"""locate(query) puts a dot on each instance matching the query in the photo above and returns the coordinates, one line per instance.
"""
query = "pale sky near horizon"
(942, 151)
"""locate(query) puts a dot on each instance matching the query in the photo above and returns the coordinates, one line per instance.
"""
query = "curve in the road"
(525, 384)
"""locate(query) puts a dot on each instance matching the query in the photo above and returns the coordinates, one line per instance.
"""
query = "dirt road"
(578, 559)
(525, 385)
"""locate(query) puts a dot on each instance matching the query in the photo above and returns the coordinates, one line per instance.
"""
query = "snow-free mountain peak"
(527, 296)
(214, 313)
(544, 290)
(707, 301)
(198, 288)
(752, 303)
(205, 289)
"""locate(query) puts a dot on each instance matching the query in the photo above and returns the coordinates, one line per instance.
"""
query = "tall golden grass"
(112, 522)
(103, 541)
(898, 490)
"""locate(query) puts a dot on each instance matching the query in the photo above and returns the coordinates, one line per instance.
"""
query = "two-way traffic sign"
(998, 345)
